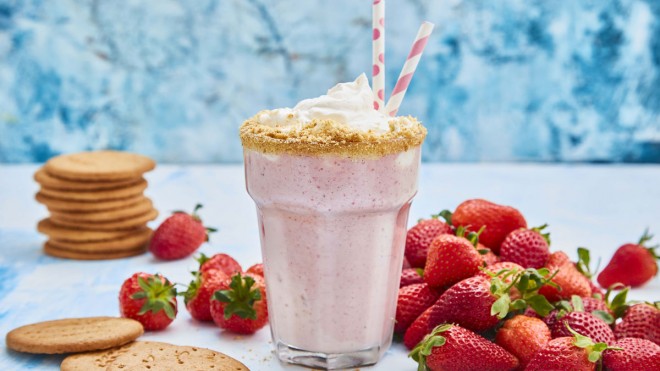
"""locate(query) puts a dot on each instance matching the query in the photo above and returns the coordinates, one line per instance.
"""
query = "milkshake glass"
(332, 180)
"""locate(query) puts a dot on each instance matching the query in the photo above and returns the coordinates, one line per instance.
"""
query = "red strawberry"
(418, 329)
(632, 264)
(412, 301)
(198, 296)
(523, 336)
(451, 259)
(582, 265)
(149, 299)
(576, 353)
(584, 323)
(569, 281)
(451, 347)
(635, 354)
(527, 247)
(257, 269)
(179, 236)
(240, 304)
(222, 262)
(419, 239)
(468, 304)
(640, 321)
(410, 276)
(499, 221)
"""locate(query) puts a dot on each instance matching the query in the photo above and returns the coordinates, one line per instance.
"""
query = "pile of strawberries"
(482, 291)
(220, 291)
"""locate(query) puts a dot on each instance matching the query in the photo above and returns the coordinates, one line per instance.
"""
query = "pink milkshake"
(332, 180)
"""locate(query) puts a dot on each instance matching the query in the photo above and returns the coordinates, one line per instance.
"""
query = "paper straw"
(409, 68)
(378, 54)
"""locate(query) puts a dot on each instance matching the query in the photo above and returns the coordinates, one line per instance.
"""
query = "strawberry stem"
(158, 292)
(425, 347)
(584, 260)
(539, 230)
(444, 214)
(201, 259)
(193, 287)
(618, 305)
(240, 298)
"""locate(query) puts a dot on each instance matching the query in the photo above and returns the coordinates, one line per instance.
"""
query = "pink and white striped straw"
(378, 54)
(409, 68)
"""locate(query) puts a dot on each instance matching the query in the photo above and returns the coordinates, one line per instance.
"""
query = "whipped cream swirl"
(350, 104)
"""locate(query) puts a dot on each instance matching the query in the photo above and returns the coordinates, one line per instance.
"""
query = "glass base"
(327, 361)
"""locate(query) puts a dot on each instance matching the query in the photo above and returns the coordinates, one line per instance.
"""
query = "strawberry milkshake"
(332, 179)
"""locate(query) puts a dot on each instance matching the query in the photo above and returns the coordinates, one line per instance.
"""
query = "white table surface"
(598, 206)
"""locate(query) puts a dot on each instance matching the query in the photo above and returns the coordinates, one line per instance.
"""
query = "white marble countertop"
(597, 206)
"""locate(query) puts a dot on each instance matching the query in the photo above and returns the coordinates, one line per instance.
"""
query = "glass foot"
(328, 361)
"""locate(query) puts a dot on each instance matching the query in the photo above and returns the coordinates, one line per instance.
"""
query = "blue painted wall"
(506, 80)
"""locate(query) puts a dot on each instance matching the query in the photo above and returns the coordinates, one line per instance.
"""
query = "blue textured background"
(570, 80)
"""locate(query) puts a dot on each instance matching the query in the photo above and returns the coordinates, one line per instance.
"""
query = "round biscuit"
(141, 207)
(74, 335)
(45, 226)
(151, 355)
(99, 165)
(128, 243)
(94, 196)
(119, 225)
(47, 180)
(55, 252)
(86, 206)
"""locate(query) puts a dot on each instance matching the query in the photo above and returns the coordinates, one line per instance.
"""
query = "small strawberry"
(419, 239)
(410, 276)
(412, 301)
(640, 321)
(257, 269)
(576, 353)
(198, 296)
(451, 259)
(526, 247)
(523, 336)
(418, 329)
(499, 221)
(584, 323)
(567, 279)
(635, 355)
(632, 264)
(179, 236)
(450, 347)
(222, 262)
(148, 299)
(240, 304)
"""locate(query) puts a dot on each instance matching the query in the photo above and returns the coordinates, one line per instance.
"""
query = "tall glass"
(332, 231)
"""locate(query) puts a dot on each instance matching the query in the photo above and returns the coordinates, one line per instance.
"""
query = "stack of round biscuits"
(96, 204)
